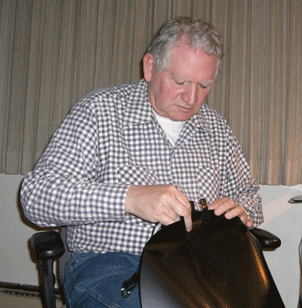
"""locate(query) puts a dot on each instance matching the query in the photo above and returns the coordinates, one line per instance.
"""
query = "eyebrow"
(204, 83)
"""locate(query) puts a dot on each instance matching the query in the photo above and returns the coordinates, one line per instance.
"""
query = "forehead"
(192, 63)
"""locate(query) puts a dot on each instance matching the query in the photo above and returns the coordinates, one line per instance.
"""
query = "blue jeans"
(95, 280)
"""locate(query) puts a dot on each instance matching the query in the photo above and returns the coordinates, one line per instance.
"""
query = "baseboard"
(23, 289)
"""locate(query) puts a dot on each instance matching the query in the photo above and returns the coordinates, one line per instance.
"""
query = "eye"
(180, 83)
(203, 86)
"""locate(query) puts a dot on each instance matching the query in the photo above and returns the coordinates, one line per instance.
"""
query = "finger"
(188, 223)
(224, 206)
(249, 223)
(172, 206)
(217, 203)
(167, 220)
(185, 210)
(242, 214)
(236, 211)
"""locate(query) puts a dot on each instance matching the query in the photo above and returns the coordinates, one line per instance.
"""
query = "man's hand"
(159, 203)
(231, 210)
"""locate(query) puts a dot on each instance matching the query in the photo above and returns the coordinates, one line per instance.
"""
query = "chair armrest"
(47, 245)
(266, 239)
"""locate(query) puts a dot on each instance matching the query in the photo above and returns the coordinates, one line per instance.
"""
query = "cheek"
(204, 94)
(168, 95)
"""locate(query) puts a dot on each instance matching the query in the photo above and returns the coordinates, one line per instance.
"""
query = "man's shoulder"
(216, 124)
(113, 96)
(212, 116)
(110, 93)
(108, 102)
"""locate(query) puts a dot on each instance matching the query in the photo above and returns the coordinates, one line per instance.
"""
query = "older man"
(129, 157)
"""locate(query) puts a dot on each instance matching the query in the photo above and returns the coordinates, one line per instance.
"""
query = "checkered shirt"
(111, 140)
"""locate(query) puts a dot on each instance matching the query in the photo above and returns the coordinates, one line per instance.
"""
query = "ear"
(149, 66)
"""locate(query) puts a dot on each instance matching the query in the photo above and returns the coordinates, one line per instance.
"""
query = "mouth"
(185, 109)
(183, 113)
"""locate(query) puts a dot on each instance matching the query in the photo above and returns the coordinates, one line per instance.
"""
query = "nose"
(189, 95)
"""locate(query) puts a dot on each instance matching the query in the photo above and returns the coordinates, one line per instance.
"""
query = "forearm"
(49, 199)
(251, 201)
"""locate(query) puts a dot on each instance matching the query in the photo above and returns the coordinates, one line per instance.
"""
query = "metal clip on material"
(129, 285)
(203, 204)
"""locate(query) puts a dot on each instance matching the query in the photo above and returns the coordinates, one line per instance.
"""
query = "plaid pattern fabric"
(111, 140)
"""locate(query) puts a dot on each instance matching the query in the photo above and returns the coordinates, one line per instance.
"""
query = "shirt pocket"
(208, 178)
(136, 175)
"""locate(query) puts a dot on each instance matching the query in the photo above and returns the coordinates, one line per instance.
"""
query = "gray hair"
(198, 34)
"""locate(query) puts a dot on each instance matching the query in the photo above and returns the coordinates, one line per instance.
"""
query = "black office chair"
(154, 273)
(49, 246)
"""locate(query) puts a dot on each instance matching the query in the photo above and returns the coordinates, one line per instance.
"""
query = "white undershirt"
(171, 128)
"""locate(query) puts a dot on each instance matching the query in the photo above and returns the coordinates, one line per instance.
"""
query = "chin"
(182, 117)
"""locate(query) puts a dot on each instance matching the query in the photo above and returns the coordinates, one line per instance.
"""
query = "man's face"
(179, 91)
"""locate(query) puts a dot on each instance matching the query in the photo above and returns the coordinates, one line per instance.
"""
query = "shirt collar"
(199, 120)
(139, 109)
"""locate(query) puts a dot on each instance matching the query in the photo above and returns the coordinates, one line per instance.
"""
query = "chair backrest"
(64, 259)
(218, 264)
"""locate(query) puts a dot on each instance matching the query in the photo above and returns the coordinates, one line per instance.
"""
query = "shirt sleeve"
(64, 188)
(241, 187)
